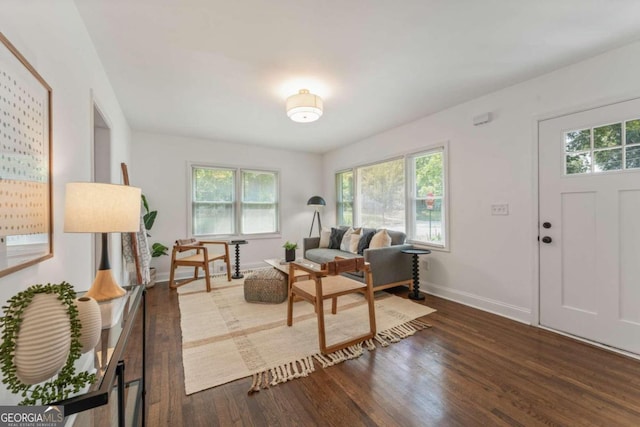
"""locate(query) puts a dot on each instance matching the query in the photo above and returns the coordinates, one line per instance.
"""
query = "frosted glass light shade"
(304, 107)
(92, 207)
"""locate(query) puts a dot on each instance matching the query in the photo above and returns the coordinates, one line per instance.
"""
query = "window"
(427, 217)
(605, 148)
(344, 197)
(259, 202)
(381, 195)
(216, 209)
(406, 194)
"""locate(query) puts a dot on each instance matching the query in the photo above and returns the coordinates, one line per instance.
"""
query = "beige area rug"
(224, 338)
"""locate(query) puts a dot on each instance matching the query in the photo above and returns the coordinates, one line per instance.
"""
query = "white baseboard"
(185, 273)
(519, 314)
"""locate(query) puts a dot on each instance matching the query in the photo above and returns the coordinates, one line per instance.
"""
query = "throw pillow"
(353, 244)
(364, 242)
(346, 239)
(335, 239)
(325, 237)
(380, 240)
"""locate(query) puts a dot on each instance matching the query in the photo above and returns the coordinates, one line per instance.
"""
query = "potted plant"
(157, 249)
(290, 251)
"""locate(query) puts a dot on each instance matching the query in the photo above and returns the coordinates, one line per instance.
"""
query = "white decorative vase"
(44, 339)
(90, 322)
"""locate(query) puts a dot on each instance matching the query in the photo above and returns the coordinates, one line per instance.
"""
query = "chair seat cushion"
(331, 286)
(199, 258)
(268, 286)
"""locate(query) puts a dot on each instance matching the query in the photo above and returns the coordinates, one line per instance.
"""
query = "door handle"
(546, 225)
(547, 239)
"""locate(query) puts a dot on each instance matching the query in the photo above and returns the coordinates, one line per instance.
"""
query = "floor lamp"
(316, 202)
(92, 207)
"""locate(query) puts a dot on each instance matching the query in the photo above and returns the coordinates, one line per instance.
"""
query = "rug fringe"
(243, 272)
(281, 374)
(399, 332)
(303, 367)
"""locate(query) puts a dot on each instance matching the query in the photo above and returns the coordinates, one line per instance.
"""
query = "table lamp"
(92, 207)
(316, 201)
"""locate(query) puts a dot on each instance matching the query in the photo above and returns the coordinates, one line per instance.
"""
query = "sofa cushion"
(380, 240)
(336, 237)
(397, 237)
(364, 241)
(346, 240)
(353, 243)
(325, 237)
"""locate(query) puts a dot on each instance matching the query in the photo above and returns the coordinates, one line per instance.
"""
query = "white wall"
(493, 259)
(160, 168)
(52, 37)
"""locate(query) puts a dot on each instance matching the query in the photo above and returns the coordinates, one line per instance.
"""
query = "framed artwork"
(25, 163)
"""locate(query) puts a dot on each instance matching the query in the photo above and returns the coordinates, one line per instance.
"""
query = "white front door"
(589, 186)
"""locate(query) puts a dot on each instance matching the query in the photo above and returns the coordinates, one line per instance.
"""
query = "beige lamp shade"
(304, 107)
(92, 207)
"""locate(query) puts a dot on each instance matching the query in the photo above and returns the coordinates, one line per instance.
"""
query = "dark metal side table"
(415, 295)
(237, 274)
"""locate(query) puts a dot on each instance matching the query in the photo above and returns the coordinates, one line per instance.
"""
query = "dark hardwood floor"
(471, 368)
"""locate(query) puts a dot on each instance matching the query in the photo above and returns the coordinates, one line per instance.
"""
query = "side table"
(237, 274)
(415, 295)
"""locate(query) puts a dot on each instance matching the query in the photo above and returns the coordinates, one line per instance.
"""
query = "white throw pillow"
(380, 240)
(346, 240)
(325, 236)
(353, 245)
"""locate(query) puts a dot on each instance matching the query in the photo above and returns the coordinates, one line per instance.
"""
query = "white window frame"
(353, 191)
(410, 199)
(237, 200)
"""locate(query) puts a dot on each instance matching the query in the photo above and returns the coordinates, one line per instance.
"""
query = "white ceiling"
(221, 69)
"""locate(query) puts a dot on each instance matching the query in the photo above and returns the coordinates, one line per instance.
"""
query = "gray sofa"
(389, 266)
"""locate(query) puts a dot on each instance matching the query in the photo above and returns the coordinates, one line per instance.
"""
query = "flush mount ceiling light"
(304, 107)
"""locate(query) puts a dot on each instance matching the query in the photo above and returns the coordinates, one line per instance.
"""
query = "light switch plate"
(500, 209)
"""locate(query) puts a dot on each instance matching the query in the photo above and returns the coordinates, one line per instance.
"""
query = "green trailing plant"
(67, 381)
(157, 249)
(290, 246)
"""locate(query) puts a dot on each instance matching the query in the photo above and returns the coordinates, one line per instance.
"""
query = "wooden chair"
(199, 257)
(327, 283)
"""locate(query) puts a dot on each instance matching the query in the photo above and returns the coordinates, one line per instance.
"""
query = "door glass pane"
(633, 157)
(578, 163)
(578, 140)
(607, 160)
(633, 132)
(607, 136)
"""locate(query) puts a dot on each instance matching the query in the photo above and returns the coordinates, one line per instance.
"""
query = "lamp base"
(104, 287)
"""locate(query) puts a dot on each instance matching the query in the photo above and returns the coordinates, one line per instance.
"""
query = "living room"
(491, 262)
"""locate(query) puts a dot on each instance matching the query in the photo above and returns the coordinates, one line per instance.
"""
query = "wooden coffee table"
(283, 266)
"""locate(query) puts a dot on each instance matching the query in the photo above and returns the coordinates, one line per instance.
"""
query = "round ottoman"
(267, 286)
